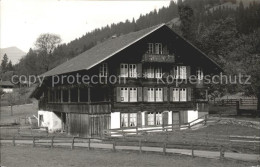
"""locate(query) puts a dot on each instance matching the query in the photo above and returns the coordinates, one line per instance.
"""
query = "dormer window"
(103, 71)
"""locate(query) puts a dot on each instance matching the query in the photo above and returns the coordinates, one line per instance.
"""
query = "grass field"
(59, 157)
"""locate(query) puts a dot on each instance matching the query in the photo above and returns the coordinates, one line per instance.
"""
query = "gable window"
(133, 119)
(133, 94)
(158, 72)
(159, 94)
(124, 94)
(150, 72)
(183, 94)
(103, 71)
(176, 94)
(132, 71)
(150, 95)
(150, 118)
(124, 120)
(158, 118)
(150, 48)
(183, 72)
(124, 70)
(199, 73)
(158, 48)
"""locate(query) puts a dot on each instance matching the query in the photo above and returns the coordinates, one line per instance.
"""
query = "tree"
(45, 44)
(4, 63)
(9, 66)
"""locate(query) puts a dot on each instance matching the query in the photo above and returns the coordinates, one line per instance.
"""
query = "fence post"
(33, 141)
(89, 144)
(140, 146)
(164, 148)
(114, 145)
(222, 153)
(13, 140)
(72, 143)
(52, 141)
(192, 150)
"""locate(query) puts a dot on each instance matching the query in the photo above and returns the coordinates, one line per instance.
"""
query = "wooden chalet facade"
(140, 97)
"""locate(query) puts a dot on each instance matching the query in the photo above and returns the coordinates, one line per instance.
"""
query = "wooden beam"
(69, 95)
(78, 94)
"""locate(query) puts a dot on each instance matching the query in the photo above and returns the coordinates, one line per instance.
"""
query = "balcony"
(158, 58)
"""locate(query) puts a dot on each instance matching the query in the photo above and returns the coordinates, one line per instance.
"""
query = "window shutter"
(146, 118)
(139, 94)
(165, 94)
(189, 91)
(165, 118)
(118, 94)
(145, 93)
(139, 70)
(139, 119)
(171, 94)
(188, 71)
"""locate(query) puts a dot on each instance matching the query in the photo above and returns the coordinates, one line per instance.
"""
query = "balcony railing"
(160, 58)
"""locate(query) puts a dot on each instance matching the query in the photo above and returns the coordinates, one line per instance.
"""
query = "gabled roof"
(107, 49)
(101, 52)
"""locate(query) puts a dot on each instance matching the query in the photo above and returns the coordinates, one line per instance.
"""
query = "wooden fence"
(233, 102)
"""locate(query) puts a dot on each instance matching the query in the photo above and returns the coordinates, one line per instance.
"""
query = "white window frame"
(132, 120)
(183, 94)
(158, 118)
(133, 94)
(150, 119)
(124, 95)
(176, 94)
(123, 70)
(158, 94)
(103, 70)
(150, 95)
(150, 72)
(158, 72)
(199, 73)
(158, 48)
(132, 71)
(124, 120)
(183, 72)
(150, 48)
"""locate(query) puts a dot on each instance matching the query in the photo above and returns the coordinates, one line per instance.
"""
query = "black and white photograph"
(129, 83)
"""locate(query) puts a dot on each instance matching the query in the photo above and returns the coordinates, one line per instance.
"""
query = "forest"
(229, 35)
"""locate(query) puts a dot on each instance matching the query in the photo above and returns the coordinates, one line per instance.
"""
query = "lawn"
(61, 157)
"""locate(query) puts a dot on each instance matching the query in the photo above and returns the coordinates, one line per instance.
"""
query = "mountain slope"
(13, 53)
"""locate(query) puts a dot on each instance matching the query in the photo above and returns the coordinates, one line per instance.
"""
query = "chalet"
(6, 86)
(142, 97)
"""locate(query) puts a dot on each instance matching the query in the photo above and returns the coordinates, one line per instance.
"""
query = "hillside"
(13, 53)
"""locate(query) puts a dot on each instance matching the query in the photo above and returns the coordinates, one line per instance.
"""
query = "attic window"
(103, 71)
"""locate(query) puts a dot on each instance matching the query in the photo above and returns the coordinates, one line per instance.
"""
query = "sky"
(22, 21)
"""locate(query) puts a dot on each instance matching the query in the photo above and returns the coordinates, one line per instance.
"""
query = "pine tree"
(4, 63)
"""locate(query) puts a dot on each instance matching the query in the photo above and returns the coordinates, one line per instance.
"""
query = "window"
(199, 73)
(159, 94)
(124, 94)
(133, 94)
(158, 72)
(103, 71)
(183, 72)
(183, 94)
(150, 118)
(128, 120)
(124, 120)
(132, 71)
(150, 94)
(150, 48)
(176, 94)
(124, 70)
(65, 95)
(150, 72)
(158, 118)
(133, 120)
(158, 48)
